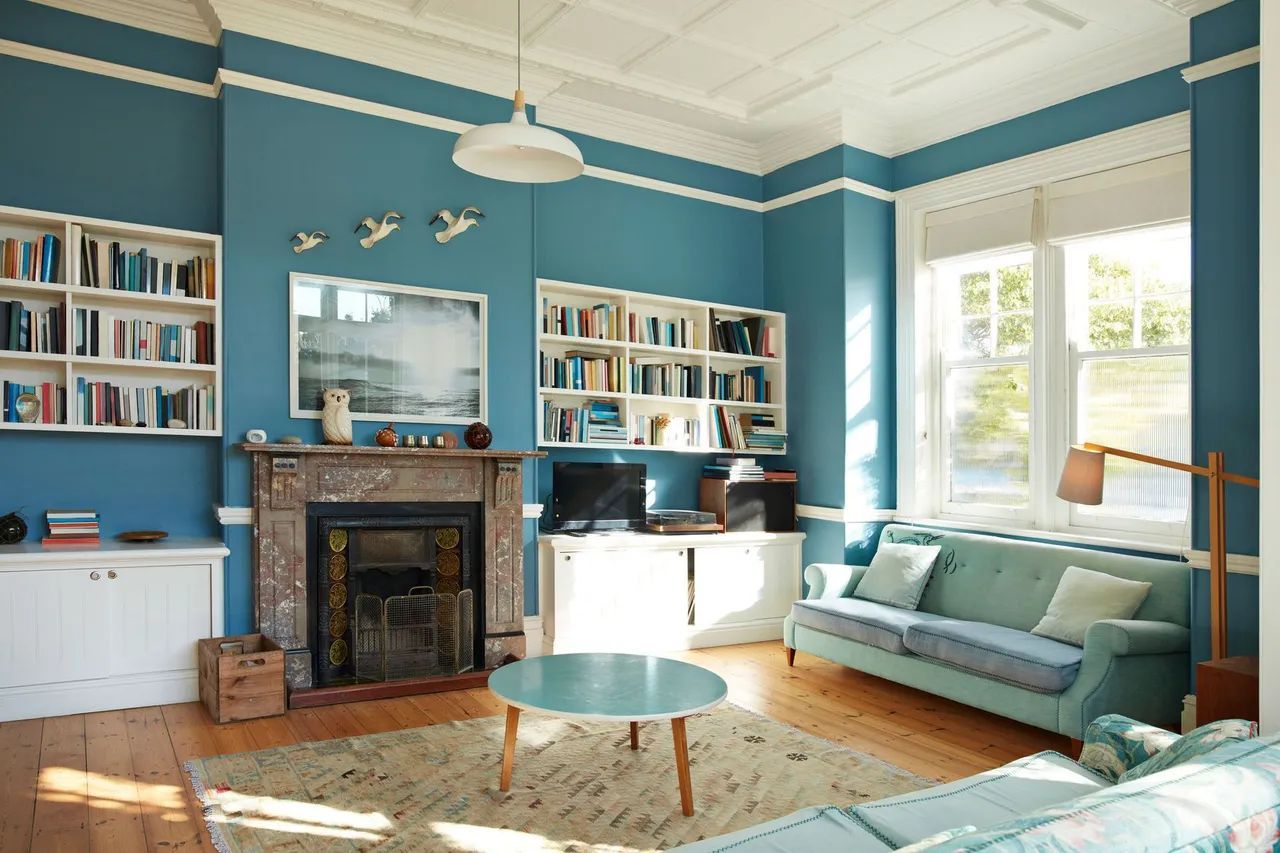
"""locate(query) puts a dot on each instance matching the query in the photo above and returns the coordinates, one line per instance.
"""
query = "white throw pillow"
(897, 574)
(1084, 597)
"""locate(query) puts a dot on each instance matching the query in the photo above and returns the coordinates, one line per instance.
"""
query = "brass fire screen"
(414, 636)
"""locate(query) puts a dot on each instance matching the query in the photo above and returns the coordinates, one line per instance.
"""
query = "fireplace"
(393, 590)
(297, 487)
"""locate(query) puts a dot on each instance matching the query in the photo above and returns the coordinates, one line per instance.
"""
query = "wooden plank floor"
(114, 781)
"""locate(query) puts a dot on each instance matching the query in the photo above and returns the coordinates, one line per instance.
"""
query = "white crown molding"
(674, 189)
(228, 515)
(844, 516)
(1191, 8)
(1223, 64)
(805, 141)
(1237, 564)
(21, 50)
(825, 187)
(1142, 55)
(168, 17)
(627, 127)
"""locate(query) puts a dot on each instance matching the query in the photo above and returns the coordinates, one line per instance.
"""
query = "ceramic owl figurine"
(336, 417)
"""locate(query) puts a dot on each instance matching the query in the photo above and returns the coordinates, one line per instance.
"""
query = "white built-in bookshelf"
(81, 302)
(689, 357)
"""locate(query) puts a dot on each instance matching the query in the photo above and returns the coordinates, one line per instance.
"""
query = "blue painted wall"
(73, 142)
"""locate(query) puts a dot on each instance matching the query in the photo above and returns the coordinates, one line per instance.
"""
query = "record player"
(682, 521)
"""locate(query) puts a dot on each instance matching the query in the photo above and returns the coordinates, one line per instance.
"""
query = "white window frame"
(919, 408)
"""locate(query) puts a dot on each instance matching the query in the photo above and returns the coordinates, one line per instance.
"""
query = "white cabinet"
(649, 593)
(103, 628)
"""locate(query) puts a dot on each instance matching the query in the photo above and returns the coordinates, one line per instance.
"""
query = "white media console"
(642, 592)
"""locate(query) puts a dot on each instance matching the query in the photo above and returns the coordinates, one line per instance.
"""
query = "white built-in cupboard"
(102, 628)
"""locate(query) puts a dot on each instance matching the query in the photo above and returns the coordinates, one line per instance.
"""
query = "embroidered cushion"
(1114, 744)
(897, 574)
(1194, 744)
(1084, 597)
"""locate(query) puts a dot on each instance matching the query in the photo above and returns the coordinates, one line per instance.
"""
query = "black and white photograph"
(403, 353)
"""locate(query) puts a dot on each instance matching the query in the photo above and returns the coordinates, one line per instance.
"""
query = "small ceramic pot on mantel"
(386, 437)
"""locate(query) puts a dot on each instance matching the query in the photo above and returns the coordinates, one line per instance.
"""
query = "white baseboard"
(100, 694)
(533, 640)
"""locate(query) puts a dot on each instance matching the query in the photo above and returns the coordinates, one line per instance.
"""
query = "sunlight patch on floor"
(302, 818)
(69, 785)
(483, 839)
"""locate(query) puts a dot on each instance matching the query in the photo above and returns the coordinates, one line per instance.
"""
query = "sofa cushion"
(980, 801)
(1016, 657)
(867, 622)
(824, 828)
(1084, 597)
(897, 574)
(1226, 800)
(1193, 744)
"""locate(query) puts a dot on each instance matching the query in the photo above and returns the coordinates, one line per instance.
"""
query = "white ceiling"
(751, 84)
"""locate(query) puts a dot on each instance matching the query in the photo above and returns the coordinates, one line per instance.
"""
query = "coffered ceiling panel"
(744, 83)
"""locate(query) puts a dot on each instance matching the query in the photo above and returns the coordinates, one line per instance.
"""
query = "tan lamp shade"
(1081, 481)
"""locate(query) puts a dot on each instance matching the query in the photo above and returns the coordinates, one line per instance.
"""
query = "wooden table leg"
(509, 747)
(635, 735)
(682, 765)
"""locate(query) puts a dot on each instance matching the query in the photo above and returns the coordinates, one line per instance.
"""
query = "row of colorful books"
(31, 260)
(72, 527)
(667, 333)
(579, 370)
(747, 385)
(107, 403)
(51, 397)
(665, 430)
(99, 334)
(112, 266)
(748, 336)
(665, 378)
(596, 422)
(599, 321)
(32, 330)
(745, 431)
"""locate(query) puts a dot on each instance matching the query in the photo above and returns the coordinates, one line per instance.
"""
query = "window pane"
(1013, 292)
(1110, 275)
(1166, 322)
(1138, 404)
(975, 293)
(975, 340)
(990, 435)
(1111, 326)
(1014, 334)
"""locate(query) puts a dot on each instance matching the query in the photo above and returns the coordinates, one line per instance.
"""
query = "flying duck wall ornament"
(378, 230)
(454, 226)
(308, 241)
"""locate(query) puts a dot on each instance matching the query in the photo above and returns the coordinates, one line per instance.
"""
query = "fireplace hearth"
(297, 487)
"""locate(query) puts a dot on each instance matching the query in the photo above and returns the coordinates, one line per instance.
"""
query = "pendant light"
(516, 150)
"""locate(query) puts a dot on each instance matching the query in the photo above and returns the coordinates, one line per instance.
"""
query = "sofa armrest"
(1114, 744)
(1121, 637)
(832, 580)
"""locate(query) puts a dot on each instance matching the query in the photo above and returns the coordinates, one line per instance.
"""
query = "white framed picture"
(406, 354)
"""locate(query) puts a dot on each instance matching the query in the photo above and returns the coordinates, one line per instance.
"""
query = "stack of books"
(599, 321)
(760, 431)
(604, 423)
(31, 260)
(72, 527)
(582, 370)
(114, 267)
(735, 469)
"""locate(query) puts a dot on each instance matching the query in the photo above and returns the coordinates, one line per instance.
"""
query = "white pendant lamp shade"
(518, 151)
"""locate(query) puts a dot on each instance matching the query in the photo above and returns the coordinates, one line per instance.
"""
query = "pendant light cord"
(519, 40)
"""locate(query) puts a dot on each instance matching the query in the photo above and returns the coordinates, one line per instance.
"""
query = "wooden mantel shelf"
(399, 451)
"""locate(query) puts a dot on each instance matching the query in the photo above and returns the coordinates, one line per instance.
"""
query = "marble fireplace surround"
(286, 477)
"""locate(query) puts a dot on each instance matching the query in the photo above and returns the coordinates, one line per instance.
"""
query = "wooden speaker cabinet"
(756, 506)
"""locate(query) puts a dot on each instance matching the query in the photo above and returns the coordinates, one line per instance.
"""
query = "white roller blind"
(993, 225)
(1156, 192)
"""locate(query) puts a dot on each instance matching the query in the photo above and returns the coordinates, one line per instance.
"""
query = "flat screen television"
(597, 496)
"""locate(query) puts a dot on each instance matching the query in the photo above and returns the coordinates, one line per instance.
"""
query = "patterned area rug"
(576, 786)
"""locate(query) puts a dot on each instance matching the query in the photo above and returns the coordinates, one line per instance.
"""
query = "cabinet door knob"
(93, 576)
(112, 575)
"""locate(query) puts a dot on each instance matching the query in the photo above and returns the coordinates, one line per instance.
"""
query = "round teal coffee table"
(609, 687)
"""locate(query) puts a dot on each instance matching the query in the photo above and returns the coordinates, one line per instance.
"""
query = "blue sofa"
(1225, 799)
(969, 639)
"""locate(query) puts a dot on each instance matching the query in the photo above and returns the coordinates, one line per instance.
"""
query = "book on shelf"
(748, 336)
(32, 260)
(602, 321)
(112, 266)
(734, 473)
(667, 333)
(582, 370)
(747, 385)
(72, 527)
(664, 430)
(106, 403)
(781, 475)
(594, 422)
(746, 431)
(52, 398)
(25, 329)
(98, 334)
(661, 377)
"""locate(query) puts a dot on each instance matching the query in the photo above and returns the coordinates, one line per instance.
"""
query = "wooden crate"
(245, 684)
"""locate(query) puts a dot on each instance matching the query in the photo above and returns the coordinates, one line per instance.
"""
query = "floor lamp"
(1081, 483)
